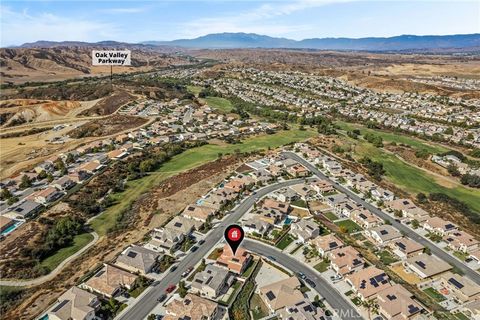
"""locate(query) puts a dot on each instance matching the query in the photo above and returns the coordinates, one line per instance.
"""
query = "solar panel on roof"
(421, 264)
(60, 305)
(270, 295)
(131, 254)
(391, 297)
(457, 284)
(400, 245)
(449, 226)
(363, 284)
(178, 224)
(383, 232)
(412, 308)
(332, 244)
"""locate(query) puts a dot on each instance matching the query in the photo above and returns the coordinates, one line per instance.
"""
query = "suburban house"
(237, 263)
(326, 243)
(346, 260)
(64, 183)
(426, 266)
(281, 294)
(304, 230)
(109, 281)
(270, 204)
(368, 282)
(200, 213)
(255, 225)
(346, 208)
(117, 154)
(138, 259)
(461, 287)
(364, 218)
(297, 170)
(75, 304)
(383, 234)
(182, 225)
(303, 310)
(211, 282)
(304, 190)
(45, 196)
(90, 167)
(439, 226)
(25, 209)
(191, 307)
(396, 302)
(285, 195)
(461, 241)
(165, 240)
(322, 186)
(406, 247)
(335, 199)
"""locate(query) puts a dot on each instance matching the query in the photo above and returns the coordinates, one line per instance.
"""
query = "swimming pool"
(287, 221)
(11, 228)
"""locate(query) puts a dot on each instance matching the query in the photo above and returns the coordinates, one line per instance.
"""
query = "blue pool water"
(287, 221)
(11, 228)
(45, 317)
(200, 202)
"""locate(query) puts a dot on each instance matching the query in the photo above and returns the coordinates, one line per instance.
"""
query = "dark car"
(194, 248)
(301, 275)
(162, 298)
(173, 268)
(272, 258)
(201, 242)
(310, 283)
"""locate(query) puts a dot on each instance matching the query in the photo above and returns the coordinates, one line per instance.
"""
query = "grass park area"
(219, 103)
(395, 137)
(411, 179)
(387, 258)
(349, 225)
(79, 241)
(187, 160)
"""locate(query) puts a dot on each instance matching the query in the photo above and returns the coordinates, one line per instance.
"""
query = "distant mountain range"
(251, 40)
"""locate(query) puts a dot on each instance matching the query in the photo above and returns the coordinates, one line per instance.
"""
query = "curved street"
(53, 273)
(332, 296)
(471, 274)
(146, 302)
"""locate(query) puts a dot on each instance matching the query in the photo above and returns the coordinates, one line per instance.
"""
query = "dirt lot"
(107, 126)
(110, 104)
(166, 200)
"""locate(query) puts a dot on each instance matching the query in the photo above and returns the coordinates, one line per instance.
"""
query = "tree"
(26, 182)
(5, 194)
(70, 158)
(151, 316)
(42, 175)
(421, 197)
(449, 131)
(415, 224)
(453, 170)
(182, 289)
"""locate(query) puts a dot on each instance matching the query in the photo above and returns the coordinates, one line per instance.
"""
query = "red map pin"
(234, 235)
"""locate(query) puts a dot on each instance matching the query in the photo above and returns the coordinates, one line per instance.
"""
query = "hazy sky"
(138, 21)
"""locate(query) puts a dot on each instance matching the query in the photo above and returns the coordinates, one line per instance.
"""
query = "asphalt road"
(147, 302)
(342, 307)
(471, 274)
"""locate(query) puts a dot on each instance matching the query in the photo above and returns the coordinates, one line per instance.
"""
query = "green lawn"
(79, 241)
(461, 255)
(188, 160)
(322, 266)
(219, 103)
(412, 179)
(194, 89)
(461, 316)
(330, 216)
(285, 242)
(350, 225)
(437, 296)
(299, 203)
(395, 137)
(387, 258)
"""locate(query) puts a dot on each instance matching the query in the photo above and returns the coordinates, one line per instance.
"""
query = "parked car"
(201, 242)
(310, 282)
(301, 275)
(186, 272)
(173, 268)
(272, 258)
(194, 248)
(162, 298)
(170, 288)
